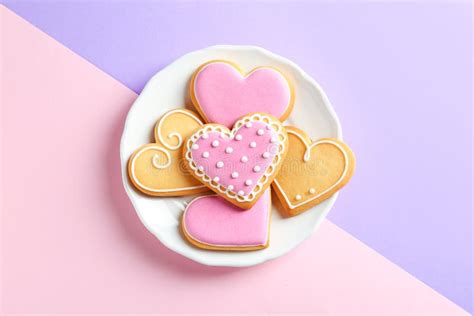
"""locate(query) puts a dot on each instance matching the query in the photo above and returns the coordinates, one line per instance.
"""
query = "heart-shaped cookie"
(239, 164)
(222, 93)
(157, 169)
(210, 222)
(312, 171)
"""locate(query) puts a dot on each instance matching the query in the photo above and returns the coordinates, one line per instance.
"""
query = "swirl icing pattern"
(156, 168)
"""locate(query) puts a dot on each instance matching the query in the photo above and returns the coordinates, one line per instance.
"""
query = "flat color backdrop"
(399, 76)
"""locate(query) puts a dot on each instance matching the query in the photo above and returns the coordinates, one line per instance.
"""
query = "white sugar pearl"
(241, 192)
(298, 197)
(274, 139)
(195, 147)
(201, 168)
(234, 175)
(220, 164)
(312, 191)
(229, 150)
(205, 154)
(260, 132)
(222, 135)
(266, 154)
(216, 179)
(215, 143)
(244, 159)
(248, 182)
(230, 187)
(205, 136)
(268, 127)
(253, 144)
(248, 125)
(238, 137)
(256, 169)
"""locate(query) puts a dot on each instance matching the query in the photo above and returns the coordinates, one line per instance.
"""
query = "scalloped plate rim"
(161, 236)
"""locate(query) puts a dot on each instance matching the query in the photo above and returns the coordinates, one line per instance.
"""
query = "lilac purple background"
(398, 74)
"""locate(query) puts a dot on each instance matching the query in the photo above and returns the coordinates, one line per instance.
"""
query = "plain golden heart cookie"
(311, 171)
(157, 168)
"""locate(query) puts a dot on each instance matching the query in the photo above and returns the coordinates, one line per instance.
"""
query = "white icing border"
(275, 125)
(269, 212)
(174, 134)
(306, 157)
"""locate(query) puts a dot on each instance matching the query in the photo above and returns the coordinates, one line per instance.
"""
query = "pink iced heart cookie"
(210, 222)
(239, 164)
(221, 93)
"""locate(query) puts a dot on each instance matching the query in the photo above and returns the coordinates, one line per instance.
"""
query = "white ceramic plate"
(167, 90)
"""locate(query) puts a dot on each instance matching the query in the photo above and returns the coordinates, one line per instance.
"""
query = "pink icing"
(224, 157)
(214, 221)
(224, 94)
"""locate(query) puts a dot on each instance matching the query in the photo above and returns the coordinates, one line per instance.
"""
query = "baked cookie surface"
(157, 168)
(312, 171)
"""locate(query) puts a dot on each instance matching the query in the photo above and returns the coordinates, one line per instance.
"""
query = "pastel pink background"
(71, 241)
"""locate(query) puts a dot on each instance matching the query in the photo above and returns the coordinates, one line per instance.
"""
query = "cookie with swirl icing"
(157, 169)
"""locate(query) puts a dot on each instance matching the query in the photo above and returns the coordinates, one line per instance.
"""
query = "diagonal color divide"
(400, 95)
(71, 241)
